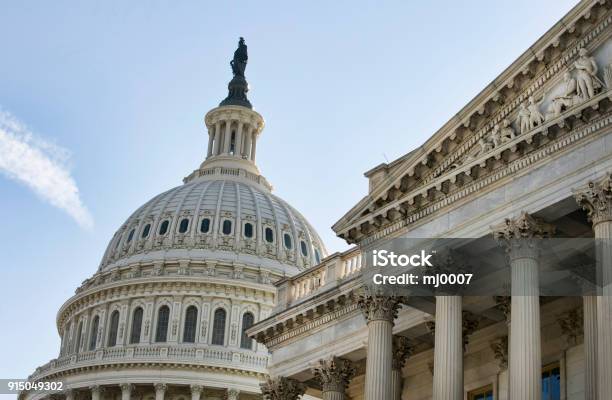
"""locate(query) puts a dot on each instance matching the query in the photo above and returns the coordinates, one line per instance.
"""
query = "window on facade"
(269, 233)
(317, 256)
(247, 322)
(484, 393)
(93, 334)
(227, 227)
(130, 236)
(218, 334)
(163, 315)
(136, 326)
(248, 230)
(288, 241)
(163, 228)
(304, 248)
(77, 348)
(205, 225)
(145, 231)
(191, 319)
(551, 382)
(113, 328)
(184, 225)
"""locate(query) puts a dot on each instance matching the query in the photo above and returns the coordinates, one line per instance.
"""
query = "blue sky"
(115, 94)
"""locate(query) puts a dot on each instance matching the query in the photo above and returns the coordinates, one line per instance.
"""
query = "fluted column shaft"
(525, 342)
(95, 392)
(596, 199)
(589, 304)
(396, 384)
(217, 139)
(253, 145)
(211, 137)
(247, 143)
(379, 311)
(603, 236)
(238, 143)
(448, 349)
(227, 137)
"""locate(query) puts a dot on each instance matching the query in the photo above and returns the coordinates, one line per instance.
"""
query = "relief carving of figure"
(535, 116)
(586, 75)
(523, 118)
(507, 132)
(568, 99)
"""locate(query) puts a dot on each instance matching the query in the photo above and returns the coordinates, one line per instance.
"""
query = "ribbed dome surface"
(208, 218)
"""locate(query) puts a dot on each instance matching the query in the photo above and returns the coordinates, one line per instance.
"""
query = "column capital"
(282, 388)
(126, 387)
(402, 350)
(334, 374)
(500, 351)
(160, 387)
(380, 307)
(596, 199)
(504, 304)
(95, 389)
(232, 394)
(519, 235)
(196, 389)
(571, 326)
(469, 325)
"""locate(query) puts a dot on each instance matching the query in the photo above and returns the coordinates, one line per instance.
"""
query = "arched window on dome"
(218, 334)
(93, 333)
(130, 236)
(163, 315)
(205, 225)
(136, 326)
(77, 347)
(163, 228)
(269, 234)
(304, 248)
(184, 225)
(113, 328)
(191, 320)
(227, 227)
(145, 231)
(288, 241)
(317, 256)
(247, 321)
(248, 230)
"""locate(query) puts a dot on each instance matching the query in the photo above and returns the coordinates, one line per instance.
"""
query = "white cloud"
(41, 166)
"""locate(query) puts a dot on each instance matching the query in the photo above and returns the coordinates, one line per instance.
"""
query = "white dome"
(207, 218)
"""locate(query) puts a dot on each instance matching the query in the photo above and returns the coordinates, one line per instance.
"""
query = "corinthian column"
(334, 376)
(196, 392)
(126, 391)
(448, 349)
(520, 238)
(402, 349)
(379, 312)
(160, 391)
(596, 199)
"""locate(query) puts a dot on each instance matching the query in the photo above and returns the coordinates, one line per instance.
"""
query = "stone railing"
(330, 272)
(224, 171)
(217, 357)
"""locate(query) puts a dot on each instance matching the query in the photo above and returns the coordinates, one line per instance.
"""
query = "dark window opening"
(163, 315)
(114, 327)
(191, 319)
(248, 230)
(227, 227)
(184, 225)
(304, 248)
(288, 241)
(136, 326)
(218, 335)
(205, 225)
(163, 228)
(269, 235)
(247, 322)
(145, 231)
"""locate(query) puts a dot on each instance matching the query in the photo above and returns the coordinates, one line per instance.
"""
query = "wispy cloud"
(41, 166)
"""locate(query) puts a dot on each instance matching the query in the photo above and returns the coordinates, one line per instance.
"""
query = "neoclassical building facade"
(164, 316)
(529, 158)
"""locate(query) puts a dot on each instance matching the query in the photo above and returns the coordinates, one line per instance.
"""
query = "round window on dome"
(227, 227)
(304, 248)
(145, 231)
(205, 225)
(184, 225)
(288, 241)
(163, 228)
(248, 230)
(269, 234)
(130, 236)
